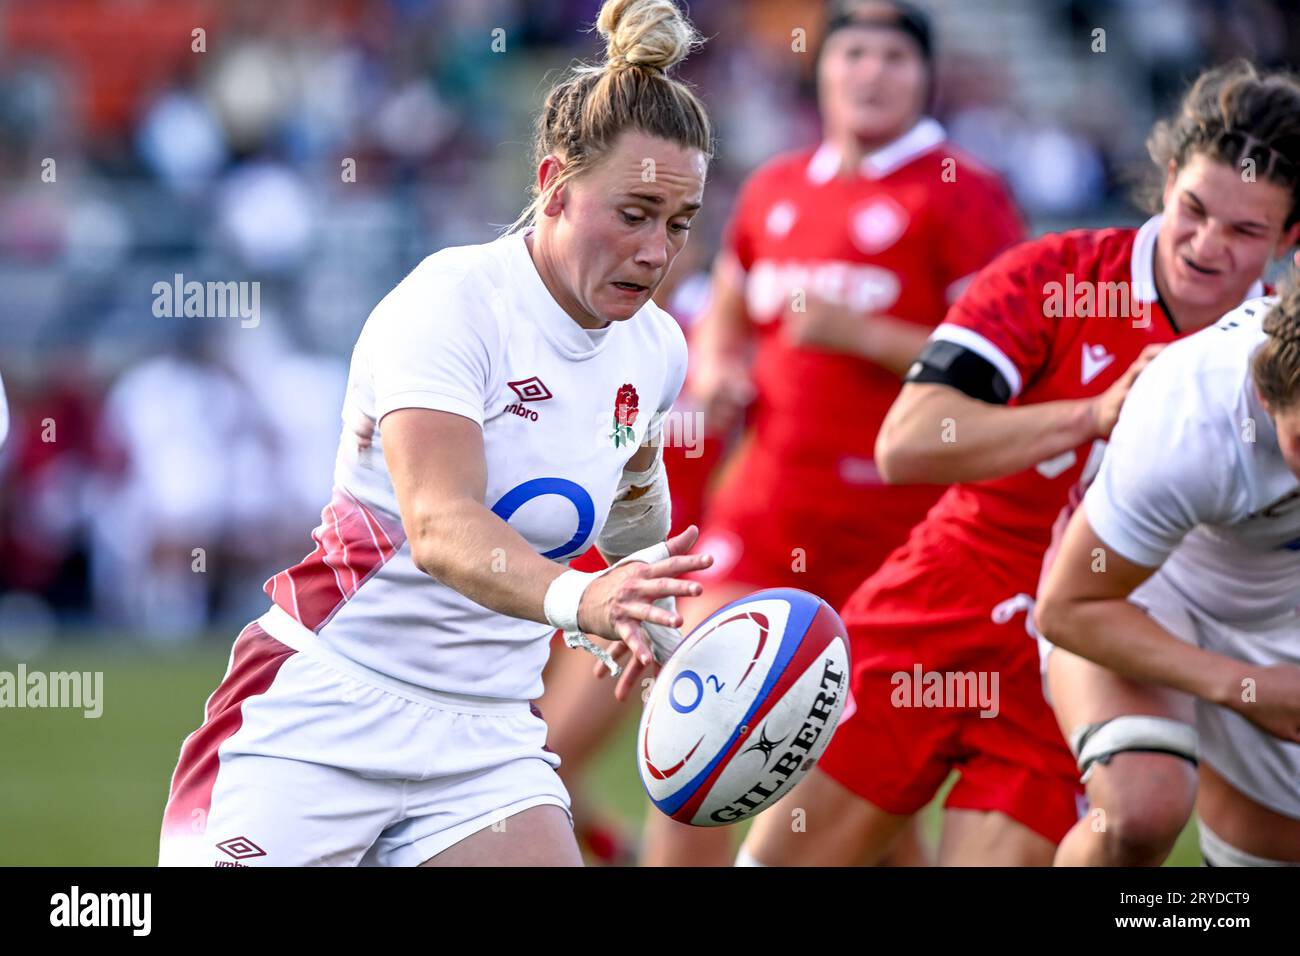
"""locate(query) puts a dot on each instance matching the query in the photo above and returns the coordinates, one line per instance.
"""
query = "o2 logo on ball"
(694, 694)
(688, 688)
(693, 679)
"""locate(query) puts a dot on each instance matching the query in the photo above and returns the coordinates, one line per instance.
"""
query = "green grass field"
(90, 792)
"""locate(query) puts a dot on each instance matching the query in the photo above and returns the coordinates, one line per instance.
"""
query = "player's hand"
(1269, 697)
(616, 603)
(722, 385)
(824, 325)
(1106, 406)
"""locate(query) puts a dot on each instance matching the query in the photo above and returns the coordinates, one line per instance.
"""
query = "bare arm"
(935, 434)
(891, 343)
(440, 475)
(1083, 607)
(437, 463)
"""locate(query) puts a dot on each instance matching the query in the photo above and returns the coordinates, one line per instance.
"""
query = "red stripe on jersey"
(352, 543)
(254, 662)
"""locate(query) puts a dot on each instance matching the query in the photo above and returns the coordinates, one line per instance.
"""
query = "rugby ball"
(744, 707)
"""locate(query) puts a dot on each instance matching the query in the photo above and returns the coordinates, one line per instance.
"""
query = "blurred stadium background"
(137, 439)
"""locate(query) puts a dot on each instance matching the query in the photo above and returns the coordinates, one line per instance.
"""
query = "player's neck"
(853, 149)
(546, 269)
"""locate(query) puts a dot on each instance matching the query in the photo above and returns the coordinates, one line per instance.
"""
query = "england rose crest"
(625, 409)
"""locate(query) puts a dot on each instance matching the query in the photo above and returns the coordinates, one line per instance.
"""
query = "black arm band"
(956, 366)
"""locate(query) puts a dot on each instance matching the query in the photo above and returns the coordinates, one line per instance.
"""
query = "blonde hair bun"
(647, 33)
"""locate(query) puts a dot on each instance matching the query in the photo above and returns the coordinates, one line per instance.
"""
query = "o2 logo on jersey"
(574, 493)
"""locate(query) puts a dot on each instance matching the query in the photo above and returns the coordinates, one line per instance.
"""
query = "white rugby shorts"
(307, 759)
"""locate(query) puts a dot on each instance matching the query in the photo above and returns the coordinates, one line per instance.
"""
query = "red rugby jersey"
(1061, 317)
(902, 237)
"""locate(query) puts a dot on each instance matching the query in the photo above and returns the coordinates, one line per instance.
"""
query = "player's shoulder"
(778, 172)
(1085, 254)
(1190, 393)
(659, 325)
(656, 341)
(1214, 361)
(445, 272)
(1095, 250)
(463, 269)
(946, 162)
(452, 287)
(785, 163)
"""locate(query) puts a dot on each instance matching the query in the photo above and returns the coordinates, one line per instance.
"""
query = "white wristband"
(563, 597)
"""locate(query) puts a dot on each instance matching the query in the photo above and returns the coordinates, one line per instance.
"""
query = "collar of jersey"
(920, 139)
(567, 336)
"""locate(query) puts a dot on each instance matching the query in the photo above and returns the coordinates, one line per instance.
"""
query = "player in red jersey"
(837, 263)
(1136, 742)
(1012, 400)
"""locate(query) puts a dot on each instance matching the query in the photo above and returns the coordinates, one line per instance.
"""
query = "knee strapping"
(1098, 743)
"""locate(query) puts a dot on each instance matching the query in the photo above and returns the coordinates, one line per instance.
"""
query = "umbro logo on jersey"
(517, 408)
(1095, 361)
(531, 389)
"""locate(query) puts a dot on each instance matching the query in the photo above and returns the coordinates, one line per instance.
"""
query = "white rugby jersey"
(474, 331)
(1194, 478)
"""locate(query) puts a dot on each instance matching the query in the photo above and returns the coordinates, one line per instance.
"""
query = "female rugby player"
(1176, 592)
(502, 415)
(1012, 400)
